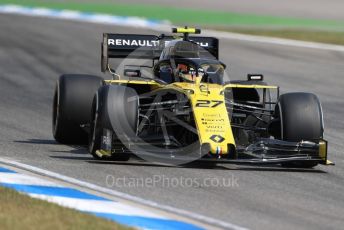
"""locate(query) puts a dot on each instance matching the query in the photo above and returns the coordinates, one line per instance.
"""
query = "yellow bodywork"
(118, 82)
(210, 113)
(209, 109)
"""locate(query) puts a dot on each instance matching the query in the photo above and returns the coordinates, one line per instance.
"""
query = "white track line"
(16, 178)
(160, 26)
(183, 213)
(275, 41)
(98, 206)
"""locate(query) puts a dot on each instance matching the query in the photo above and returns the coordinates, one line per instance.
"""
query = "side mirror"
(132, 73)
(166, 75)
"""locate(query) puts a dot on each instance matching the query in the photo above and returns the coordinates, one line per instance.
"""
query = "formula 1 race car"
(180, 109)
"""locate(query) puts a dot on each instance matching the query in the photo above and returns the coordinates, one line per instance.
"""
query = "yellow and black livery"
(185, 101)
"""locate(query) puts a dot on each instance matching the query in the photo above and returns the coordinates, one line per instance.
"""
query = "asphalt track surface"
(35, 51)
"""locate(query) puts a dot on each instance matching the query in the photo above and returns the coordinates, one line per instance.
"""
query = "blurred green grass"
(19, 211)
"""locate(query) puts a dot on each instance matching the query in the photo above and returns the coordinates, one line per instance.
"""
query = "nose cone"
(211, 118)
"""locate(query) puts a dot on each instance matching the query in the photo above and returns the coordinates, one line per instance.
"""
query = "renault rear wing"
(145, 46)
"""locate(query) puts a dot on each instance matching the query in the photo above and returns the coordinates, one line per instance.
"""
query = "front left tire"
(301, 119)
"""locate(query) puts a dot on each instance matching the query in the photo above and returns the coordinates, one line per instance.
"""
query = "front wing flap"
(272, 151)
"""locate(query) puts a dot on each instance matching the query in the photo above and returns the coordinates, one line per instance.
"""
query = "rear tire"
(121, 110)
(72, 107)
(301, 118)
